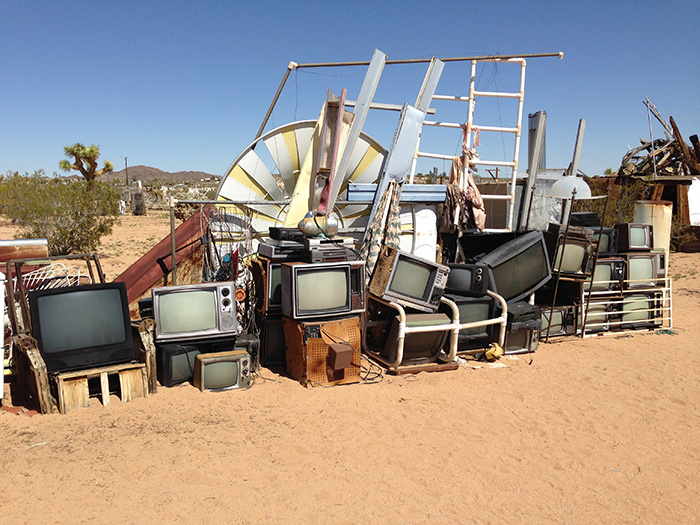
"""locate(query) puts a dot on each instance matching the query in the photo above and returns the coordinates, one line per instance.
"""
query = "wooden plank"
(72, 393)
(657, 192)
(33, 378)
(687, 157)
(683, 207)
(22, 250)
(132, 384)
(146, 331)
(435, 367)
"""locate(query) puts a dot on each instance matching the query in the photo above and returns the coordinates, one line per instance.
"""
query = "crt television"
(78, 327)
(608, 240)
(641, 310)
(557, 321)
(267, 275)
(318, 290)
(645, 270)
(195, 312)
(598, 317)
(175, 361)
(467, 279)
(223, 371)
(608, 275)
(408, 280)
(634, 237)
(571, 258)
(472, 309)
(519, 267)
(418, 347)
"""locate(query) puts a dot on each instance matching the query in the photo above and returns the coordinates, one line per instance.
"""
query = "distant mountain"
(148, 174)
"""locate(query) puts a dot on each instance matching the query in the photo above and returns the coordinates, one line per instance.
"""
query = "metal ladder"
(471, 127)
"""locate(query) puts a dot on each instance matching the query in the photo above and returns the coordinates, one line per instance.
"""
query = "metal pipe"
(173, 244)
(290, 67)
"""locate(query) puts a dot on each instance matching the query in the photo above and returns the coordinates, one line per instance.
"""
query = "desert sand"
(594, 430)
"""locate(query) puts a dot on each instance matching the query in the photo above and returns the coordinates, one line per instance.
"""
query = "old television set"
(223, 371)
(598, 317)
(467, 279)
(607, 245)
(85, 326)
(319, 290)
(645, 270)
(641, 311)
(558, 321)
(472, 309)
(267, 275)
(175, 361)
(608, 275)
(418, 347)
(571, 256)
(272, 342)
(521, 341)
(519, 267)
(634, 236)
(408, 280)
(195, 312)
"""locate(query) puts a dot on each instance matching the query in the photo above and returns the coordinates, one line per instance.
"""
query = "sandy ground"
(595, 430)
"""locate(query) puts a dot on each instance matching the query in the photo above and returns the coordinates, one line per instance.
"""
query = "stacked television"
(198, 337)
(607, 280)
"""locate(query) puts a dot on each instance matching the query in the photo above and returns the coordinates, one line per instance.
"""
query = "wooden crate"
(72, 388)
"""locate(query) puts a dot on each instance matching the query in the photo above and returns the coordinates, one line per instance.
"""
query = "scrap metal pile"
(670, 156)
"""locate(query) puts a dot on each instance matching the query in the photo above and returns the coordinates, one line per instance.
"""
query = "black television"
(408, 280)
(418, 347)
(467, 279)
(519, 267)
(79, 327)
(321, 290)
(471, 310)
(634, 237)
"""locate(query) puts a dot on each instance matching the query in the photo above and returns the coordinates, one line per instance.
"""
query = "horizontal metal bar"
(384, 106)
(433, 123)
(452, 98)
(434, 155)
(487, 58)
(490, 197)
(496, 128)
(496, 94)
(477, 162)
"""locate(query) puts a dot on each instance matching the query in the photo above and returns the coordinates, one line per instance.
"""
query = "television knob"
(226, 302)
(225, 292)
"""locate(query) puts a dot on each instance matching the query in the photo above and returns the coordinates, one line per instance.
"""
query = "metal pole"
(292, 65)
(651, 139)
(126, 170)
(173, 245)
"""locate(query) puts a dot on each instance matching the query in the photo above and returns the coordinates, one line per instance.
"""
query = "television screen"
(602, 278)
(322, 289)
(411, 278)
(597, 318)
(467, 279)
(83, 326)
(640, 311)
(220, 374)
(418, 347)
(640, 272)
(634, 236)
(570, 258)
(472, 309)
(638, 236)
(519, 267)
(194, 312)
(175, 363)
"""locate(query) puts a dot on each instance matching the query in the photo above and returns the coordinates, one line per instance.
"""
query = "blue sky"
(184, 85)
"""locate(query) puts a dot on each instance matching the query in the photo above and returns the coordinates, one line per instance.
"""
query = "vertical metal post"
(173, 244)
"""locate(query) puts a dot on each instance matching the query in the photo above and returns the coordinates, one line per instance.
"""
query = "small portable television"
(572, 256)
(408, 280)
(195, 312)
(645, 270)
(222, 371)
(608, 275)
(322, 290)
(79, 327)
(634, 237)
(518, 268)
(641, 311)
(175, 361)
(472, 310)
(606, 239)
(561, 320)
(467, 279)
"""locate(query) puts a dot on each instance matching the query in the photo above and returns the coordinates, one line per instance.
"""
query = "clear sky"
(184, 85)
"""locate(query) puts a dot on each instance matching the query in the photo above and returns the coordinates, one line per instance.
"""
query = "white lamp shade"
(564, 188)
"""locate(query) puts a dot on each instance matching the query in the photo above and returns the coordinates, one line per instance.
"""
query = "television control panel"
(229, 319)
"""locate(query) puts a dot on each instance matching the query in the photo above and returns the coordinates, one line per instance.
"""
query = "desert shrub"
(69, 215)
(620, 202)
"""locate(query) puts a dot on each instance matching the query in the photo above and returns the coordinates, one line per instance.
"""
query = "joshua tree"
(85, 161)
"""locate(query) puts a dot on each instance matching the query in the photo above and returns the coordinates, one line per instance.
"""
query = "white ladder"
(471, 127)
